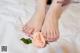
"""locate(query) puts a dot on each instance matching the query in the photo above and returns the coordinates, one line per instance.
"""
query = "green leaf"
(26, 41)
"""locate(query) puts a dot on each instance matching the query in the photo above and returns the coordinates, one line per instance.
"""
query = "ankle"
(41, 4)
(61, 2)
(57, 3)
(41, 8)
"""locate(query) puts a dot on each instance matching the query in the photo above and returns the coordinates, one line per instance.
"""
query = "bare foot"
(50, 29)
(35, 24)
(50, 26)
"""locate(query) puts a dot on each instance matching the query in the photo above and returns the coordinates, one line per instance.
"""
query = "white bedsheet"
(14, 13)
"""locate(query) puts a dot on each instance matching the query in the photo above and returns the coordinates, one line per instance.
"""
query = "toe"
(48, 36)
(30, 30)
(44, 33)
(26, 30)
(56, 36)
(36, 30)
(52, 36)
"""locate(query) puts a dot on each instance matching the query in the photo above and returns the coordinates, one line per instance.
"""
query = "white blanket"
(14, 13)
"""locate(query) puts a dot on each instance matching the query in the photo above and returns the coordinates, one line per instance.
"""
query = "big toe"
(56, 36)
(28, 30)
(52, 37)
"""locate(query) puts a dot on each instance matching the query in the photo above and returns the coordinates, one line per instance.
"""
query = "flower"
(39, 40)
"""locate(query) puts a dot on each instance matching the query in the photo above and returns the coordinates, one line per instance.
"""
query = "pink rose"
(39, 40)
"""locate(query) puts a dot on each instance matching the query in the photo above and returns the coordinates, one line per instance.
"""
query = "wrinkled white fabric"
(14, 13)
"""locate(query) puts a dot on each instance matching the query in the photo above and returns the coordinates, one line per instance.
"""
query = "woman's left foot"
(50, 29)
(50, 26)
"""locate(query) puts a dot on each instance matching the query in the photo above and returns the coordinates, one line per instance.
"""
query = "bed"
(14, 14)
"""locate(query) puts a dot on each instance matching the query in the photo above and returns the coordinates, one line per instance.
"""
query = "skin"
(50, 26)
(35, 24)
(46, 23)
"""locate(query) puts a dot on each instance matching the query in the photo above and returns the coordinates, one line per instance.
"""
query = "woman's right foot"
(35, 24)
